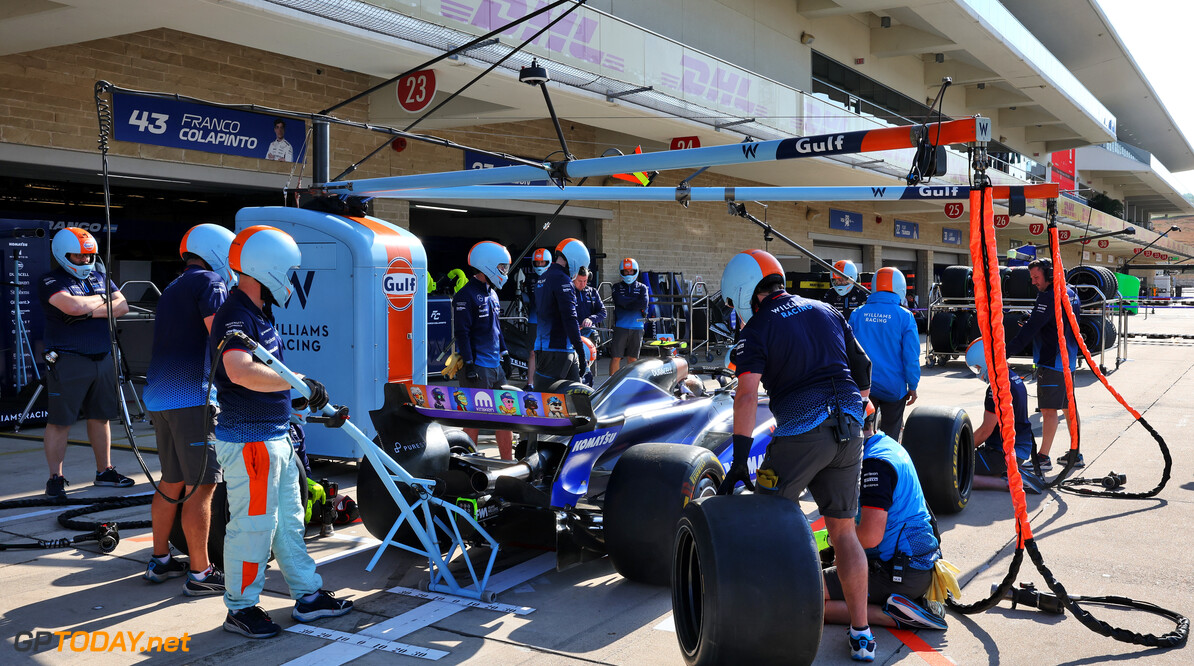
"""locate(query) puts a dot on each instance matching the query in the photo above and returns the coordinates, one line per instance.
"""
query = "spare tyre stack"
(1094, 285)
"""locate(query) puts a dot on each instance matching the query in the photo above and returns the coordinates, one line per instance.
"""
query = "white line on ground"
(471, 603)
(358, 641)
(423, 616)
(667, 624)
(351, 551)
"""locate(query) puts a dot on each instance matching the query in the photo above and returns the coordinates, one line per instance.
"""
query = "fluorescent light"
(450, 210)
(159, 180)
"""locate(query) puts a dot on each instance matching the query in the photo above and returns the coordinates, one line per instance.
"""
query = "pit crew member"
(630, 308)
(82, 379)
(176, 395)
(261, 469)
(888, 335)
(478, 328)
(559, 353)
(817, 377)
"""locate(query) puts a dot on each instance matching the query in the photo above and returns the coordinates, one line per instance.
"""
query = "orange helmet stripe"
(238, 244)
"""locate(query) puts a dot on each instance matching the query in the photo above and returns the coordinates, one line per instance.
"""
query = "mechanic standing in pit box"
(176, 395)
(888, 335)
(896, 529)
(817, 377)
(540, 260)
(261, 469)
(559, 353)
(1041, 330)
(842, 295)
(81, 378)
(630, 308)
(590, 312)
(478, 325)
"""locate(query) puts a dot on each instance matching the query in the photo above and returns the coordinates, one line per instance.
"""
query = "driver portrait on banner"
(280, 149)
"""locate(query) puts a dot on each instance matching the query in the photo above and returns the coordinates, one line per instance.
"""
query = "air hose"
(989, 302)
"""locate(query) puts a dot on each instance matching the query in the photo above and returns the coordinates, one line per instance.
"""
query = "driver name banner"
(211, 129)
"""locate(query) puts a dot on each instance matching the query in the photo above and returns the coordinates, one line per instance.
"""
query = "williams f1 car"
(605, 472)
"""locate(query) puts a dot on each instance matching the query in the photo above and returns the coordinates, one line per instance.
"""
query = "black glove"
(738, 470)
(318, 399)
(584, 365)
(470, 372)
(505, 364)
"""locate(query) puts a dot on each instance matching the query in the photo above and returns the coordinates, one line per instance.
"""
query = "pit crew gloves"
(738, 470)
(318, 399)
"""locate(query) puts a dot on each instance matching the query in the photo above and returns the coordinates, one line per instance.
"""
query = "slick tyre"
(746, 582)
(940, 441)
(649, 487)
(378, 509)
(941, 332)
(957, 282)
(220, 515)
(215, 531)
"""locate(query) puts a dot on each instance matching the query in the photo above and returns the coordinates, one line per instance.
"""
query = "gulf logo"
(399, 284)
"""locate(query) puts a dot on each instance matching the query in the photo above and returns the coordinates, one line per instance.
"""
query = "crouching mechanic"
(888, 335)
(817, 377)
(990, 464)
(478, 328)
(261, 469)
(176, 395)
(559, 353)
(896, 529)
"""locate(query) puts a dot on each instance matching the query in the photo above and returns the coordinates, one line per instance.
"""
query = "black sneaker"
(1064, 458)
(325, 605)
(55, 487)
(212, 584)
(1045, 463)
(110, 477)
(253, 622)
(158, 572)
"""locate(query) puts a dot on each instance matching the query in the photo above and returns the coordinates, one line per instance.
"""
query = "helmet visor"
(80, 259)
(504, 269)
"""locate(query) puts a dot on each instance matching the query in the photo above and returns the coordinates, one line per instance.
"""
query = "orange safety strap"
(1061, 305)
(988, 299)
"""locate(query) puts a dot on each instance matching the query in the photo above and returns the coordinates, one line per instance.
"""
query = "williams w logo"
(749, 150)
(302, 290)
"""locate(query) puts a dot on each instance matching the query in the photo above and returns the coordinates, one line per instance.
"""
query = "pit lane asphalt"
(588, 614)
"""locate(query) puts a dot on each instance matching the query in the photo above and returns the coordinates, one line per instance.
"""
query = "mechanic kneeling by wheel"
(990, 464)
(896, 529)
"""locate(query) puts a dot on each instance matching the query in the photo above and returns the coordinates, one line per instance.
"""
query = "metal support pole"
(321, 164)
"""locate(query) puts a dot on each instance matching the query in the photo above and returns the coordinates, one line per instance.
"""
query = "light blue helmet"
(210, 242)
(892, 280)
(492, 260)
(70, 240)
(630, 265)
(575, 253)
(744, 275)
(267, 255)
(976, 359)
(841, 286)
(541, 255)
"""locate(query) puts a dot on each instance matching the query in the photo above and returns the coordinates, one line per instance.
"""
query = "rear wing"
(497, 409)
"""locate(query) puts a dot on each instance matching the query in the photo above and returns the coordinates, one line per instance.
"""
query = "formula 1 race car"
(599, 473)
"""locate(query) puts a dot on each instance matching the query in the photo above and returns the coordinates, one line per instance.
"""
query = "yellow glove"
(945, 582)
(766, 478)
(460, 278)
(453, 365)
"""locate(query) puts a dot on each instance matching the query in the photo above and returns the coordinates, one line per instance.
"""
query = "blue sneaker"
(325, 604)
(253, 622)
(862, 648)
(910, 615)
